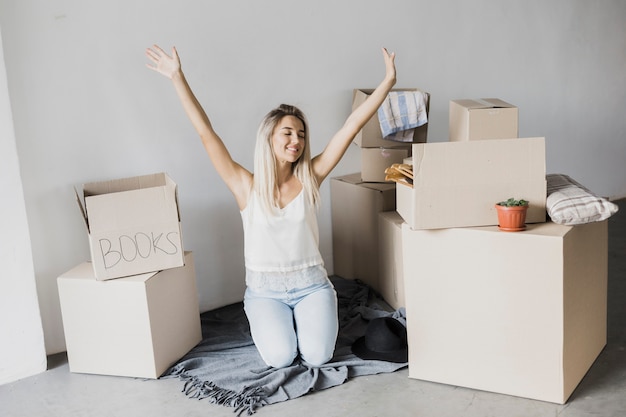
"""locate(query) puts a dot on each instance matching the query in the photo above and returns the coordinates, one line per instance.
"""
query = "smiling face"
(288, 139)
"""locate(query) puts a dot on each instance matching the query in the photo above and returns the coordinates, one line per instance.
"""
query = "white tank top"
(285, 242)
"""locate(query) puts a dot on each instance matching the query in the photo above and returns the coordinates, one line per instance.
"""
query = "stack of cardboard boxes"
(519, 313)
(358, 199)
(133, 310)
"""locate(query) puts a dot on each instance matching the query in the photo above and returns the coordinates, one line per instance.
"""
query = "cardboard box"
(520, 313)
(133, 225)
(457, 184)
(485, 118)
(354, 210)
(374, 161)
(136, 326)
(371, 136)
(390, 267)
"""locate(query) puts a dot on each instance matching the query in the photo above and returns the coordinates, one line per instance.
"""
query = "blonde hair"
(265, 175)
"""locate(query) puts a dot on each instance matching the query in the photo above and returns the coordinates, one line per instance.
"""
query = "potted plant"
(512, 214)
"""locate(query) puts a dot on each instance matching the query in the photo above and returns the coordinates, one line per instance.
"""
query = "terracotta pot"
(511, 219)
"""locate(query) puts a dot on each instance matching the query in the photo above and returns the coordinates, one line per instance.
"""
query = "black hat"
(385, 340)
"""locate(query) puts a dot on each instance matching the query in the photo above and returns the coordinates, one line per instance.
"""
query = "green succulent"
(513, 202)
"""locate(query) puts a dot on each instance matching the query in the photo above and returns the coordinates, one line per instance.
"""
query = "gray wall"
(22, 350)
(85, 107)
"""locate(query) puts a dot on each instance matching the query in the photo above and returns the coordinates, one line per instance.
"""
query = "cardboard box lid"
(85, 272)
(483, 103)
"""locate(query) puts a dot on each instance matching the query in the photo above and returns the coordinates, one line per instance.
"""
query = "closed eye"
(287, 131)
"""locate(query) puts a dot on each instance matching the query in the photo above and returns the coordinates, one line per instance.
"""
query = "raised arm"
(237, 178)
(336, 148)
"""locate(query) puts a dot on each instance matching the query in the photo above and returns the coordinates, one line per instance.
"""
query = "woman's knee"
(318, 356)
(279, 356)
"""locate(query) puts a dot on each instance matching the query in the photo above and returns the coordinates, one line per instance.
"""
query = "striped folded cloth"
(570, 203)
(400, 113)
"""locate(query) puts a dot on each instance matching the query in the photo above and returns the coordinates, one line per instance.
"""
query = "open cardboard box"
(457, 184)
(371, 135)
(133, 225)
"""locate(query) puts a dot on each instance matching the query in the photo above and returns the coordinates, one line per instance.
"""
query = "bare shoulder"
(241, 187)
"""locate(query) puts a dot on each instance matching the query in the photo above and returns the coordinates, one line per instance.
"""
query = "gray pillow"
(570, 203)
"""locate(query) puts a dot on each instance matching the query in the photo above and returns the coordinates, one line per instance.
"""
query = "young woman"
(289, 301)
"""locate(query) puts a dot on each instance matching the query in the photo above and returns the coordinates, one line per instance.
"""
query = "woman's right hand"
(163, 63)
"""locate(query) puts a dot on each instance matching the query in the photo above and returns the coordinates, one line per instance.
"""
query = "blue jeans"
(301, 320)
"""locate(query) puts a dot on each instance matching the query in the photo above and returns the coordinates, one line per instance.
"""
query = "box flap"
(171, 183)
(436, 164)
(126, 210)
(126, 184)
(81, 206)
(495, 103)
(119, 204)
(484, 103)
(355, 179)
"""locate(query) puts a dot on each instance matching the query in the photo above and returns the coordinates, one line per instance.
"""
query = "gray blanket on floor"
(225, 367)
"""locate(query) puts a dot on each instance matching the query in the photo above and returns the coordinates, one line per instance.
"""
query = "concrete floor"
(602, 392)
